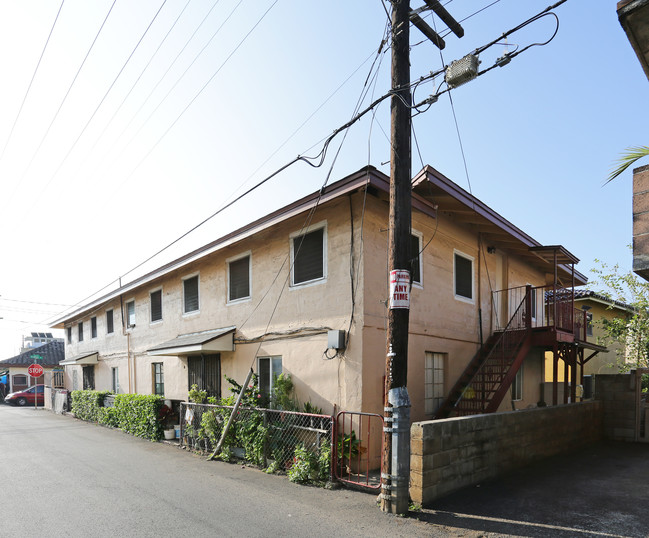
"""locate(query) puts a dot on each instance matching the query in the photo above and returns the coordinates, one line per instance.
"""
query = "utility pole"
(396, 438)
(395, 463)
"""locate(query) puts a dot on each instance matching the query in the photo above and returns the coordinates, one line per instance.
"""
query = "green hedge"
(86, 404)
(136, 414)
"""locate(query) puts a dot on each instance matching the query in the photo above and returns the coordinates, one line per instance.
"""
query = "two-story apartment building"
(304, 291)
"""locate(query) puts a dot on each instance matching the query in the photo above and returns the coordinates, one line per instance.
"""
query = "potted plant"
(164, 415)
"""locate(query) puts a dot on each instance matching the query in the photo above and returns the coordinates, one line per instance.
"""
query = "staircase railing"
(489, 375)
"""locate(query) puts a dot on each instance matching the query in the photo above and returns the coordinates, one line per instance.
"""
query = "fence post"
(265, 416)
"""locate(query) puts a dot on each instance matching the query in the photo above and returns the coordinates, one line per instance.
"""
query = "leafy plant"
(312, 409)
(283, 394)
(310, 466)
(196, 395)
(349, 447)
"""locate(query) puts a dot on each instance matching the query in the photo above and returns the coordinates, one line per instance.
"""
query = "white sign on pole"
(399, 289)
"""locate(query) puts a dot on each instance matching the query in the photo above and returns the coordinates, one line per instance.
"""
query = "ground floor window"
(88, 378)
(269, 369)
(58, 379)
(205, 371)
(517, 385)
(115, 379)
(433, 381)
(158, 379)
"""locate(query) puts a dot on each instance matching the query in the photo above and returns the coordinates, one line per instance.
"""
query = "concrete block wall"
(618, 394)
(453, 453)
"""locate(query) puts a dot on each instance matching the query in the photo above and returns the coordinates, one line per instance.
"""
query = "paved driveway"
(602, 490)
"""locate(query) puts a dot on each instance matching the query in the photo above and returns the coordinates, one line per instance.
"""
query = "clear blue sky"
(118, 172)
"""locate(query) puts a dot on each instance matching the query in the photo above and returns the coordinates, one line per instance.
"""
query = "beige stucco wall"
(323, 305)
(353, 381)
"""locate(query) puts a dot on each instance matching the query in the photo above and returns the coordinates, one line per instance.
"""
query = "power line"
(65, 97)
(32, 80)
(191, 102)
(148, 97)
(140, 75)
(102, 99)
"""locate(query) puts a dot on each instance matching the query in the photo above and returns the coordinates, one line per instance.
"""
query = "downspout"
(128, 341)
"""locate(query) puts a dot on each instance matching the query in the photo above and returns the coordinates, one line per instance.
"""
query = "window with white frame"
(115, 380)
(109, 322)
(463, 276)
(69, 335)
(433, 381)
(308, 256)
(80, 331)
(156, 305)
(239, 272)
(93, 327)
(517, 385)
(269, 368)
(190, 295)
(415, 257)
(130, 313)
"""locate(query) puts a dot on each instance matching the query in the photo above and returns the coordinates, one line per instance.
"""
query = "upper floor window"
(130, 313)
(69, 335)
(308, 259)
(239, 278)
(93, 327)
(190, 295)
(109, 322)
(415, 257)
(463, 276)
(156, 305)
(80, 329)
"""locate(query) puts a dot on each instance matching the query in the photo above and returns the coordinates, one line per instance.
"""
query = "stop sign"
(35, 370)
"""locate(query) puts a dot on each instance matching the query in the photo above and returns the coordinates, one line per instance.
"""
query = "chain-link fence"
(264, 437)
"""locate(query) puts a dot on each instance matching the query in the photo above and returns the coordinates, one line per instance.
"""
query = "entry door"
(205, 371)
(501, 298)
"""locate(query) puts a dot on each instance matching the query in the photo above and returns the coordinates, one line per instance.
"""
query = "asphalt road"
(65, 477)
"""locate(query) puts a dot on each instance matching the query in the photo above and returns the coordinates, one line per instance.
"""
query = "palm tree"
(627, 159)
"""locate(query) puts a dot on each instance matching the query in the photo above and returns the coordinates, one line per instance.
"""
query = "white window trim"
(157, 321)
(309, 229)
(420, 235)
(127, 325)
(107, 334)
(472, 260)
(198, 310)
(228, 261)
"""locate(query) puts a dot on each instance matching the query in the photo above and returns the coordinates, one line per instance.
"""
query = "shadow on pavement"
(600, 490)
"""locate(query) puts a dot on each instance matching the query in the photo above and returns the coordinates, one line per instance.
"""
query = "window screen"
(308, 257)
(156, 305)
(240, 278)
(190, 287)
(415, 248)
(109, 322)
(463, 277)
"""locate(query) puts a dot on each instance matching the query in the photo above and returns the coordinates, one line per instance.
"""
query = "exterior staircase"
(485, 381)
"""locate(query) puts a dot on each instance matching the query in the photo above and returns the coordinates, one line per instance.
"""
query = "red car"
(27, 396)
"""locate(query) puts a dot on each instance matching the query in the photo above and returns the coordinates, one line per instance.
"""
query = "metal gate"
(359, 446)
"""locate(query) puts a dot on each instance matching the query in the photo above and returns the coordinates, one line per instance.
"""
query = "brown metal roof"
(634, 18)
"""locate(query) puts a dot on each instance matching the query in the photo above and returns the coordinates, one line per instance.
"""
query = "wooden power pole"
(396, 477)
(396, 438)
